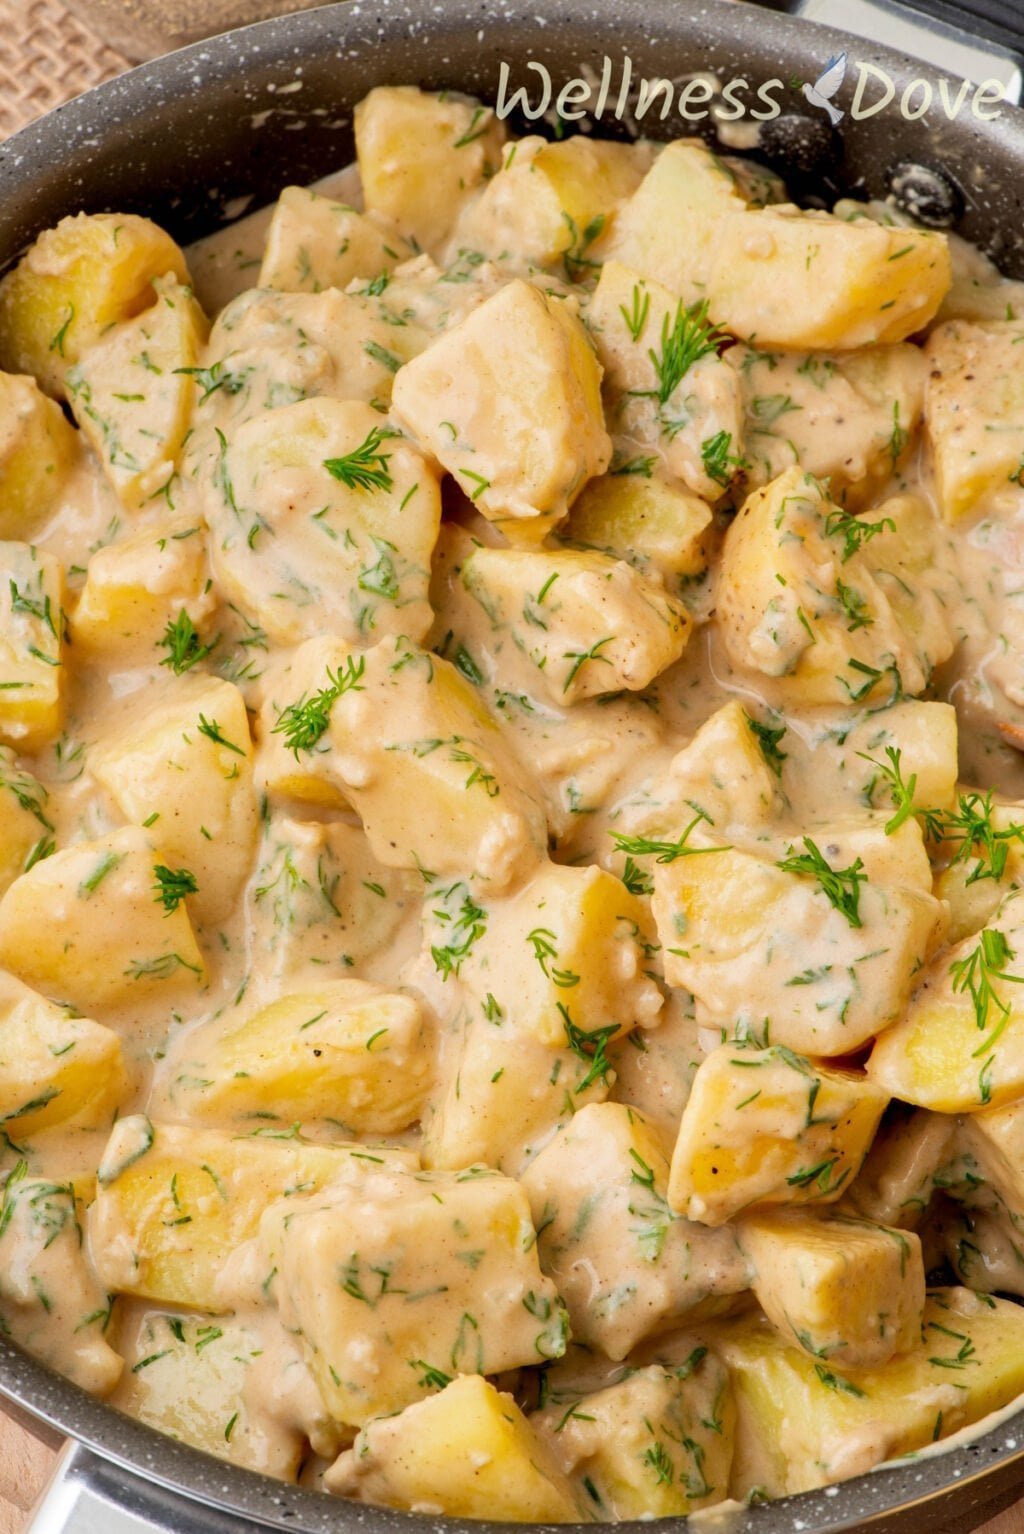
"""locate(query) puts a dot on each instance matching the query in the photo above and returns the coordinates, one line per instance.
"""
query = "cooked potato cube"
(54, 1067)
(647, 519)
(428, 770)
(960, 1046)
(995, 1140)
(756, 940)
(133, 390)
(668, 388)
(589, 624)
(31, 646)
(422, 156)
(183, 768)
(91, 271)
(50, 1302)
(24, 824)
(903, 1168)
(766, 1126)
(804, 599)
(509, 402)
(812, 282)
(37, 449)
(924, 734)
(347, 1052)
(286, 687)
(802, 1423)
(566, 953)
(174, 1203)
(323, 521)
(315, 243)
(468, 1452)
(626, 1266)
(88, 926)
(357, 1272)
(974, 412)
(656, 1444)
(149, 589)
(980, 876)
(843, 1289)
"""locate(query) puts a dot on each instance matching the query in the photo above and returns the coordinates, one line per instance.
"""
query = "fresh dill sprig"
(769, 738)
(590, 1046)
(685, 339)
(172, 885)
(466, 923)
(366, 467)
(841, 886)
(902, 789)
(854, 531)
(664, 851)
(184, 647)
(971, 827)
(976, 973)
(303, 723)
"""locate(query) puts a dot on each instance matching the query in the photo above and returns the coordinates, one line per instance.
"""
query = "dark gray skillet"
(179, 139)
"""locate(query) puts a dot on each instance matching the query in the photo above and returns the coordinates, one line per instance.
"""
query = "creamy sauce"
(487, 753)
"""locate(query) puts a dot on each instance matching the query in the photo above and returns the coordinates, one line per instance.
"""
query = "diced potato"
(766, 1126)
(894, 859)
(31, 646)
(148, 589)
(802, 1424)
(468, 1452)
(90, 272)
(54, 1067)
(667, 230)
(842, 1289)
(50, 1302)
(422, 156)
(804, 600)
(24, 824)
(550, 202)
(657, 1444)
(995, 1140)
(588, 623)
(668, 388)
(295, 772)
(810, 281)
(924, 734)
(960, 1046)
(133, 390)
(347, 1052)
(903, 1167)
(851, 419)
(88, 926)
(183, 769)
(970, 883)
(565, 954)
(314, 242)
(323, 520)
(626, 1266)
(756, 942)
(974, 412)
(428, 770)
(357, 1273)
(174, 1203)
(37, 449)
(509, 402)
(647, 519)
(654, 1069)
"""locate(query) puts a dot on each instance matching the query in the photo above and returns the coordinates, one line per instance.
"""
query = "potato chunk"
(398, 1280)
(91, 271)
(430, 773)
(827, 975)
(314, 242)
(174, 1203)
(50, 1302)
(842, 1289)
(291, 681)
(54, 1067)
(468, 1452)
(802, 1424)
(924, 734)
(766, 1126)
(148, 589)
(625, 1264)
(348, 1052)
(588, 624)
(133, 390)
(834, 618)
(87, 925)
(183, 769)
(37, 449)
(25, 827)
(422, 155)
(960, 1046)
(810, 281)
(509, 402)
(323, 520)
(656, 1444)
(648, 519)
(975, 413)
(31, 646)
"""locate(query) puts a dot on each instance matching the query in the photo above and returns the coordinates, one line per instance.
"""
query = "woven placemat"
(46, 56)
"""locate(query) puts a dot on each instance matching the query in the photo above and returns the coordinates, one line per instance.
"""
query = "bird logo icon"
(826, 86)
